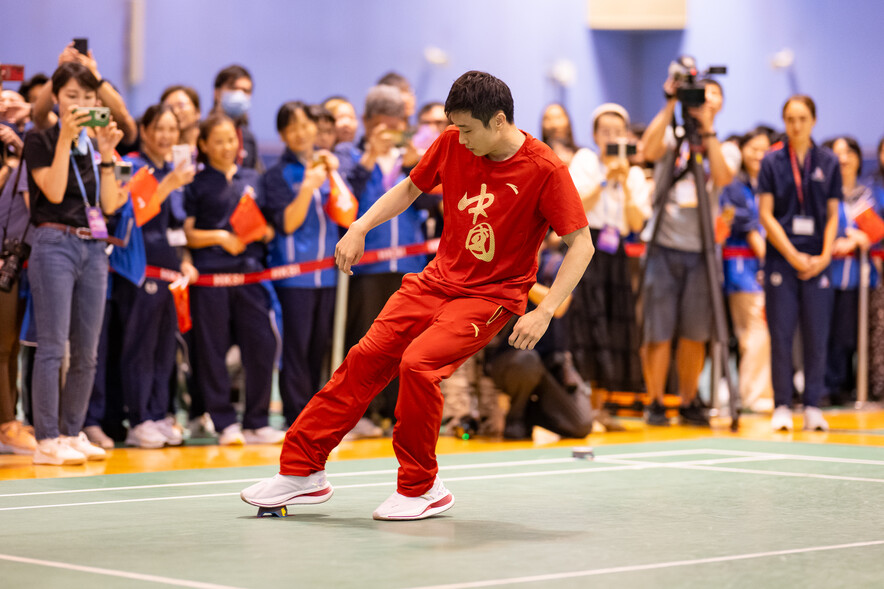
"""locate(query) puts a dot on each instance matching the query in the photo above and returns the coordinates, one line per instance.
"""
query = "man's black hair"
(231, 74)
(27, 85)
(480, 94)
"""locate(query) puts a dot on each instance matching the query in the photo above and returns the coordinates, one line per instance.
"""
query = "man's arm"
(532, 325)
(351, 247)
(653, 136)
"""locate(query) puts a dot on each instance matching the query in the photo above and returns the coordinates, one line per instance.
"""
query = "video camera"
(690, 82)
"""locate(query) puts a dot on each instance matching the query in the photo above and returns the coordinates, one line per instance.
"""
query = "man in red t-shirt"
(502, 190)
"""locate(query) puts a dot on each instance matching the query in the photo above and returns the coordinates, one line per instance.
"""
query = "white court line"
(660, 453)
(625, 466)
(649, 567)
(113, 573)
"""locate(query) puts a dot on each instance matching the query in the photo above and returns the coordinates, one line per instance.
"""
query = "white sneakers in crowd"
(67, 450)
(234, 435)
(813, 419)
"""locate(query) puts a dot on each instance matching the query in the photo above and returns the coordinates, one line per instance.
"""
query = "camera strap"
(15, 191)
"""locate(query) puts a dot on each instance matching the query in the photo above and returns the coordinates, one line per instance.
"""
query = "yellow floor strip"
(864, 428)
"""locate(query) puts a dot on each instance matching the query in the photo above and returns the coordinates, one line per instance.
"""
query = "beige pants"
(750, 327)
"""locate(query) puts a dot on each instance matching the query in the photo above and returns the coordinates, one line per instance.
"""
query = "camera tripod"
(714, 272)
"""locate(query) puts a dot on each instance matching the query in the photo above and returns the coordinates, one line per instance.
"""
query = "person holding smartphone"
(296, 191)
(72, 185)
(147, 311)
(603, 331)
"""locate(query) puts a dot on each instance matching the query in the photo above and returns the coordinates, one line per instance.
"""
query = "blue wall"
(309, 50)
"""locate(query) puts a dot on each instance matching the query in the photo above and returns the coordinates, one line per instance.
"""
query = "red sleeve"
(560, 204)
(427, 174)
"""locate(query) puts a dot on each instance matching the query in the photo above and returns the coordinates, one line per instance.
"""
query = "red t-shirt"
(496, 215)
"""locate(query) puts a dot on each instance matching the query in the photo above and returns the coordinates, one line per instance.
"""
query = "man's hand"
(11, 139)
(529, 329)
(350, 248)
(705, 116)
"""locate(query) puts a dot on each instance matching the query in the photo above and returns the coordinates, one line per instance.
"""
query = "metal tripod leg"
(713, 274)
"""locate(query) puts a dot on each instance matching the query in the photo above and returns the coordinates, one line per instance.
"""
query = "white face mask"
(235, 103)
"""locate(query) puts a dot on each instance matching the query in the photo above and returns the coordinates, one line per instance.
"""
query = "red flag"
(342, 205)
(247, 221)
(181, 296)
(143, 188)
(871, 224)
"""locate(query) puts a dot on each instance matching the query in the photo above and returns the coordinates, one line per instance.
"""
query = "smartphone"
(182, 155)
(123, 171)
(620, 149)
(99, 116)
(12, 73)
(401, 138)
(81, 44)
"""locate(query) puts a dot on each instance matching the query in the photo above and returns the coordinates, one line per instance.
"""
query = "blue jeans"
(68, 279)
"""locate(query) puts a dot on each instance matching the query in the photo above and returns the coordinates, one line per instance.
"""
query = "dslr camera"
(690, 82)
(13, 256)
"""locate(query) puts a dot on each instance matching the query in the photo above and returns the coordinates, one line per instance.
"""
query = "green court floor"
(700, 513)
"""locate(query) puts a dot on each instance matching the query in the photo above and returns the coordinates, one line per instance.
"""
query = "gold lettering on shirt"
(514, 187)
(482, 201)
(480, 242)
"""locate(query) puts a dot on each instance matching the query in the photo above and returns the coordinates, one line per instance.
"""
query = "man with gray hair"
(383, 158)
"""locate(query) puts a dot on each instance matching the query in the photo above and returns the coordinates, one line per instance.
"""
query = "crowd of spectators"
(123, 215)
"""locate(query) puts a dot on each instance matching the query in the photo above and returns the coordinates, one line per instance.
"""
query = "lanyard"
(799, 187)
(80, 179)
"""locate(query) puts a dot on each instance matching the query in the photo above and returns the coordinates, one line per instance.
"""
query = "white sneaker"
(231, 436)
(782, 419)
(145, 435)
(97, 436)
(263, 435)
(289, 490)
(55, 451)
(170, 428)
(400, 507)
(81, 444)
(364, 428)
(814, 420)
(202, 427)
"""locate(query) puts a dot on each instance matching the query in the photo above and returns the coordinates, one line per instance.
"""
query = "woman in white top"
(603, 329)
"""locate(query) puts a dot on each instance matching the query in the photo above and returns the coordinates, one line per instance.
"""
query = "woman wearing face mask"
(223, 316)
(233, 98)
(799, 188)
(73, 187)
(185, 103)
(147, 311)
(741, 275)
(296, 191)
(602, 326)
(840, 378)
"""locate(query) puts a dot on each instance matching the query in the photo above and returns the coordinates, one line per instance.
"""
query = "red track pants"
(422, 335)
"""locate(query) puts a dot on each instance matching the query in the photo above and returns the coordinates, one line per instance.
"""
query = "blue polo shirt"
(821, 184)
(156, 242)
(317, 236)
(740, 274)
(210, 199)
